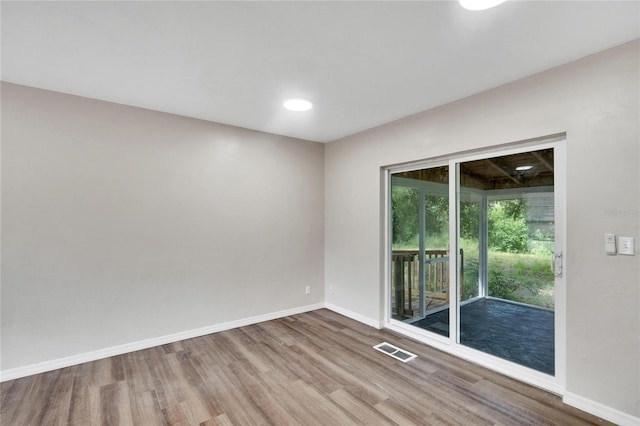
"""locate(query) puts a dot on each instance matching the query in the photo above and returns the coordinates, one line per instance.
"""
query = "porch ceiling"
(496, 173)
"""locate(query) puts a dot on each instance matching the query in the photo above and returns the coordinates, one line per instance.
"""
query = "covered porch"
(504, 285)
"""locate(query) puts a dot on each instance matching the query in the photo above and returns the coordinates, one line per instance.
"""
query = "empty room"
(320, 213)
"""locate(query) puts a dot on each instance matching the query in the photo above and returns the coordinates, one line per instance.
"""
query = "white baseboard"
(600, 410)
(354, 315)
(42, 367)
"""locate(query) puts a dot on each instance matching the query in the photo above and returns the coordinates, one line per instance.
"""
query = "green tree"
(470, 220)
(437, 221)
(508, 231)
(404, 208)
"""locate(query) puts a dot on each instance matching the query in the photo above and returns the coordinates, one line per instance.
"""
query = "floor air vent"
(395, 352)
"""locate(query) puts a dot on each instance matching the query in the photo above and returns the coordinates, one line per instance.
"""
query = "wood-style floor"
(316, 368)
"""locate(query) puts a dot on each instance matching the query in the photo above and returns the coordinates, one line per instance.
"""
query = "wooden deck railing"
(405, 280)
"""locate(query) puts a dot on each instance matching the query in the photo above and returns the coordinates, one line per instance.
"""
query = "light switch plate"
(626, 246)
(610, 244)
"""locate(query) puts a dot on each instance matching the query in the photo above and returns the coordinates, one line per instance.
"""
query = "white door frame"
(556, 383)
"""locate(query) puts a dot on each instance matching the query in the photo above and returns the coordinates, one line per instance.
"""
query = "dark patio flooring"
(517, 333)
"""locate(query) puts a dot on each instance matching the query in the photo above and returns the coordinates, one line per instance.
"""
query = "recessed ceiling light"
(297, 105)
(523, 168)
(479, 4)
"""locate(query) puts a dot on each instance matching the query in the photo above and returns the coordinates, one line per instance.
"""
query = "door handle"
(557, 269)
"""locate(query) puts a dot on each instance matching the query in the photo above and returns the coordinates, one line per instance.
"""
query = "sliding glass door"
(472, 254)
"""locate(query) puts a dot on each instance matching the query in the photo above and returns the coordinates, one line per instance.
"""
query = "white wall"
(121, 224)
(596, 102)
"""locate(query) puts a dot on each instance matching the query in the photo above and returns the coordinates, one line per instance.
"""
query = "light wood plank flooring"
(316, 368)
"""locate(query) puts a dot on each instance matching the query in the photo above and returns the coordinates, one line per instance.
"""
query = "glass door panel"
(420, 285)
(506, 234)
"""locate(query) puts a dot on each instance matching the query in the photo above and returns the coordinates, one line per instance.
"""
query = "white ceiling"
(362, 64)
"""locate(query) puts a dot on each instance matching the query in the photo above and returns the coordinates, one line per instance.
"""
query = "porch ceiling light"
(479, 4)
(297, 105)
(523, 168)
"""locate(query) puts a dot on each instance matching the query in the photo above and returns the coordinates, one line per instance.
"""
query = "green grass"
(526, 278)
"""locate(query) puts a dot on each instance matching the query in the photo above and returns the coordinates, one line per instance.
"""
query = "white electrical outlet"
(626, 246)
(307, 290)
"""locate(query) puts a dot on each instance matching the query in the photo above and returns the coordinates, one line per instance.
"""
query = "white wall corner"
(598, 409)
(42, 367)
(354, 316)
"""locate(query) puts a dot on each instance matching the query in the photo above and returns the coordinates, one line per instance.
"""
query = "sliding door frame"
(556, 383)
